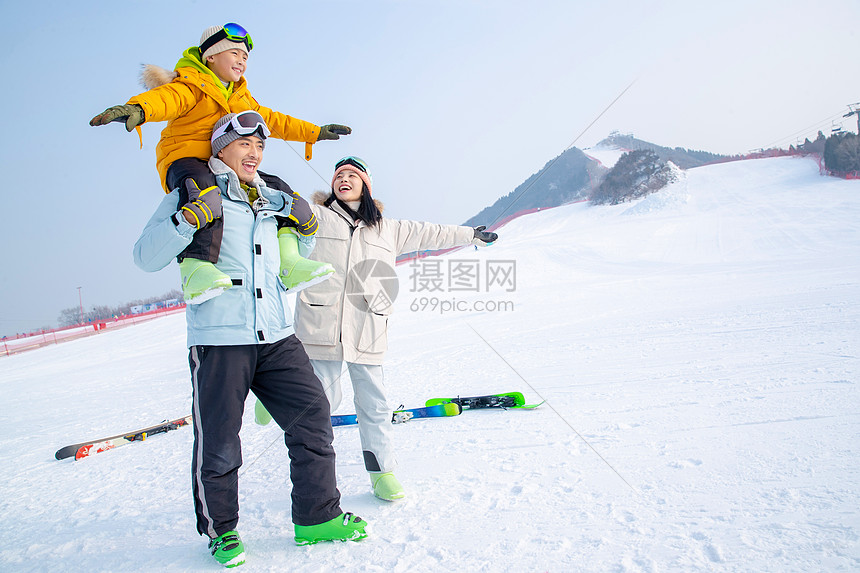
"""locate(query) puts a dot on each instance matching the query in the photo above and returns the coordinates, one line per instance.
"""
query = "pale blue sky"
(453, 104)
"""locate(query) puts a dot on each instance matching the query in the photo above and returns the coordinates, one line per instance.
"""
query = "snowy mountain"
(566, 178)
(683, 158)
(575, 173)
(697, 350)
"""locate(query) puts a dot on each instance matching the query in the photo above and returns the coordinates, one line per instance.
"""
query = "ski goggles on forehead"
(230, 31)
(357, 162)
(244, 123)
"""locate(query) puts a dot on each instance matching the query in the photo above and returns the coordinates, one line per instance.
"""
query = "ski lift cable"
(551, 407)
(804, 131)
(311, 167)
(551, 163)
(517, 198)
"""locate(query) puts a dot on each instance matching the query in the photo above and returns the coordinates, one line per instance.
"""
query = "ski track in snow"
(698, 351)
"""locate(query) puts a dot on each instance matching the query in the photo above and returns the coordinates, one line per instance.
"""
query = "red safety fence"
(34, 340)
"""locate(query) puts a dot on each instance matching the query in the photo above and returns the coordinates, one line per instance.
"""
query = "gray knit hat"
(220, 46)
(249, 123)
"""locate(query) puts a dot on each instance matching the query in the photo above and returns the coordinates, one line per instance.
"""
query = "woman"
(345, 319)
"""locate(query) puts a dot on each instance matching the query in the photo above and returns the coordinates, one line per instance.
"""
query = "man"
(243, 340)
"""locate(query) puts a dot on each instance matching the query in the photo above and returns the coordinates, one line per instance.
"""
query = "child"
(207, 83)
(337, 327)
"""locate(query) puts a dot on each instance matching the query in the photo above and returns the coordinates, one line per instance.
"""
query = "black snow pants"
(281, 376)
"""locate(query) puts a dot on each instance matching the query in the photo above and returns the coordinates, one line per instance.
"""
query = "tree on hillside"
(69, 316)
(816, 146)
(72, 316)
(842, 152)
(635, 174)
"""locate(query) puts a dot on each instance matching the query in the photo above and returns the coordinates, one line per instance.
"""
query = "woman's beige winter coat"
(346, 316)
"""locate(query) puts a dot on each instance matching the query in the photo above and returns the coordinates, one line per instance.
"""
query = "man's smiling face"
(243, 156)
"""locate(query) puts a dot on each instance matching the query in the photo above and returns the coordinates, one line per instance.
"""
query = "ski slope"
(697, 351)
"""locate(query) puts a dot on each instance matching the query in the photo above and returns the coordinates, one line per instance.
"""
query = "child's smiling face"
(229, 65)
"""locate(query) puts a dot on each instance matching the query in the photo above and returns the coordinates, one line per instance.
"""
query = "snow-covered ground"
(697, 351)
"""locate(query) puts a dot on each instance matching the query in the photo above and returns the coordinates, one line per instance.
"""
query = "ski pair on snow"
(84, 449)
(435, 407)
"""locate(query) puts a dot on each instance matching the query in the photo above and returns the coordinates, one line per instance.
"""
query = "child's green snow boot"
(344, 527)
(261, 415)
(201, 280)
(228, 549)
(298, 272)
(386, 486)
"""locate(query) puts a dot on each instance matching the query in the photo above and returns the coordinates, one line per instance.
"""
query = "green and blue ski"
(513, 400)
(399, 416)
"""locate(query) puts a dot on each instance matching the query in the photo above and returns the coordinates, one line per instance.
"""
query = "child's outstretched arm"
(163, 103)
(131, 114)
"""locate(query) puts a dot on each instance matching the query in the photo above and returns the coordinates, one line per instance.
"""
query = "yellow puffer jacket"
(192, 99)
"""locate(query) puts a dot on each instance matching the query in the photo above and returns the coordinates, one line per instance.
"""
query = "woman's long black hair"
(367, 210)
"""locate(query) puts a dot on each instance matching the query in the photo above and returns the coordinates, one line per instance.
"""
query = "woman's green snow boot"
(386, 486)
(344, 527)
(228, 549)
(201, 280)
(298, 272)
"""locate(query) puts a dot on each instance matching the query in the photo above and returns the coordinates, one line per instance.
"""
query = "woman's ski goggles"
(230, 31)
(244, 123)
(355, 162)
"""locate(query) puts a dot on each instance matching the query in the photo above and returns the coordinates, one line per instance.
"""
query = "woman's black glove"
(483, 238)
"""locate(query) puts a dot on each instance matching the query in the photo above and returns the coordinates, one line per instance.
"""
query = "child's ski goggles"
(230, 31)
(244, 123)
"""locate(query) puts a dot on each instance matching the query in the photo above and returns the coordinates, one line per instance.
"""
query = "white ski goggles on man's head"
(244, 123)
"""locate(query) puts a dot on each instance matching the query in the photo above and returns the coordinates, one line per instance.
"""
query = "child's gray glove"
(483, 238)
(132, 114)
(301, 214)
(333, 131)
(204, 206)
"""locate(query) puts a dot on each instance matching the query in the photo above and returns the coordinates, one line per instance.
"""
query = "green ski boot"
(386, 486)
(261, 415)
(228, 549)
(344, 527)
(201, 280)
(298, 272)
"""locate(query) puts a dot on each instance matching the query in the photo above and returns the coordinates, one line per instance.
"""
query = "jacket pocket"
(377, 247)
(374, 332)
(317, 317)
(231, 308)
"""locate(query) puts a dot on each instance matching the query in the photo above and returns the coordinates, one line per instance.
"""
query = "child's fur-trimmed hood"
(152, 76)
